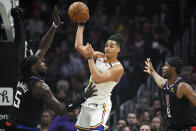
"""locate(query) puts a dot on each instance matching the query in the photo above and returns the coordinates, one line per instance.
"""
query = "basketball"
(78, 12)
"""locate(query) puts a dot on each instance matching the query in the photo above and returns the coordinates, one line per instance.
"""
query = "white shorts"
(93, 115)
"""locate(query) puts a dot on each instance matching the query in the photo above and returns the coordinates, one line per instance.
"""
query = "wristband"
(81, 24)
(89, 58)
(75, 104)
(53, 24)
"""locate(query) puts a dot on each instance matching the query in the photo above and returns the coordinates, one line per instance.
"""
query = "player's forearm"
(160, 81)
(94, 72)
(79, 37)
(47, 40)
(56, 106)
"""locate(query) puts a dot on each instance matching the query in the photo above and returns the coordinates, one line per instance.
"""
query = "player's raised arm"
(160, 81)
(79, 41)
(48, 38)
(79, 44)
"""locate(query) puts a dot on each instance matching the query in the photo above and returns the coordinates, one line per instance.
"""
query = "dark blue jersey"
(179, 111)
(26, 108)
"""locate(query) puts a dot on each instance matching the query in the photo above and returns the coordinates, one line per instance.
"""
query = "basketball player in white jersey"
(106, 71)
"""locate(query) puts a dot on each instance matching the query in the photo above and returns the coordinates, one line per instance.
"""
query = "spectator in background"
(121, 122)
(46, 120)
(71, 65)
(146, 116)
(156, 104)
(66, 122)
(63, 84)
(151, 111)
(132, 121)
(35, 25)
(61, 94)
(156, 122)
(125, 128)
(145, 126)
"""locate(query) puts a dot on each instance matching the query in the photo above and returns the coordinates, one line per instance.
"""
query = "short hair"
(118, 38)
(175, 62)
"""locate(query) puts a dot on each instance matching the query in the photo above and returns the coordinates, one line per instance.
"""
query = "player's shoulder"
(118, 67)
(41, 86)
(40, 89)
(184, 86)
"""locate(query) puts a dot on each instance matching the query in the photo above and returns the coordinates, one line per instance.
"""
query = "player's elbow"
(76, 46)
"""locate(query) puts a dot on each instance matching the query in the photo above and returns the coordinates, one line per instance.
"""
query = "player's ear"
(118, 49)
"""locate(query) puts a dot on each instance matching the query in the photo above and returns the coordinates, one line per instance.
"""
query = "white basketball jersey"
(103, 89)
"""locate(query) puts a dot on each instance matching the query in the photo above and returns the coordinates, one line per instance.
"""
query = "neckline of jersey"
(109, 63)
(179, 78)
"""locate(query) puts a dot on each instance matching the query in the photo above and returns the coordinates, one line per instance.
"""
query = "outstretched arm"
(48, 38)
(160, 81)
(43, 92)
(89, 93)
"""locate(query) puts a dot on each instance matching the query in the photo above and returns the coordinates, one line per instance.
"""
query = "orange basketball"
(78, 12)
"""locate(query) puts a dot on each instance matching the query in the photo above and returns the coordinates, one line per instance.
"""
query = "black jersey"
(26, 108)
(179, 111)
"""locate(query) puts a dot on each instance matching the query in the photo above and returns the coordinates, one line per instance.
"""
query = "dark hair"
(152, 128)
(175, 62)
(27, 64)
(132, 112)
(118, 38)
(122, 118)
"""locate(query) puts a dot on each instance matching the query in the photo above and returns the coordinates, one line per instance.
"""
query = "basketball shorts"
(93, 116)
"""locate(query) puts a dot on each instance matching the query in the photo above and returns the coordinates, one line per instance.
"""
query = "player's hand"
(57, 20)
(89, 51)
(90, 90)
(149, 67)
(84, 23)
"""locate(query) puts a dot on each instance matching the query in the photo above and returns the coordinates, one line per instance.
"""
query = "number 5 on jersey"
(17, 99)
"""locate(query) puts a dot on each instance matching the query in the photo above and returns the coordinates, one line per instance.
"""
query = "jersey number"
(168, 112)
(17, 100)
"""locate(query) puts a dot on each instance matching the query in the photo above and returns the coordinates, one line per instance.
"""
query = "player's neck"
(112, 59)
(173, 79)
(36, 74)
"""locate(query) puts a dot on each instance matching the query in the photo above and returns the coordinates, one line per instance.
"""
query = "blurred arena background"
(152, 28)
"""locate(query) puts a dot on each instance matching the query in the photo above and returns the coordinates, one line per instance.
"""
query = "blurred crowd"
(149, 29)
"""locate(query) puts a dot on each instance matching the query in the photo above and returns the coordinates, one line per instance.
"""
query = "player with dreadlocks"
(33, 93)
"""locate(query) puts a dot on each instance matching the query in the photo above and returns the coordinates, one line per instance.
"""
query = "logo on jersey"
(171, 89)
(167, 100)
(6, 96)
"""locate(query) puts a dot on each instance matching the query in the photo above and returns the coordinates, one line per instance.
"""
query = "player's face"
(41, 67)
(111, 48)
(166, 70)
